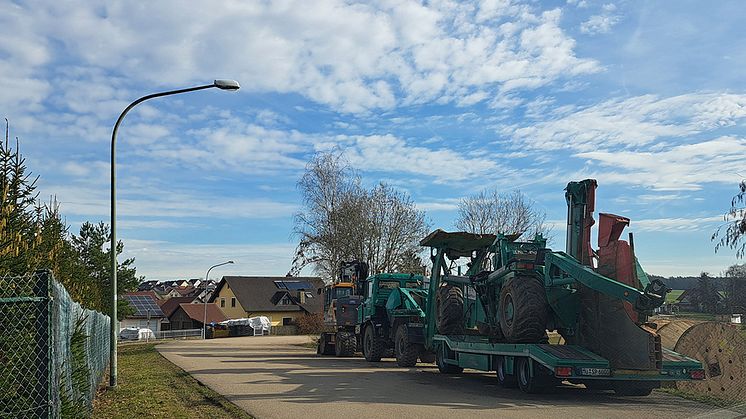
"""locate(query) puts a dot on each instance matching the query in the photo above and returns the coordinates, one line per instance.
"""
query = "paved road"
(276, 377)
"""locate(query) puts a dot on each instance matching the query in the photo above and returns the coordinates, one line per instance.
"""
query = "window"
(233, 301)
(286, 301)
(287, 321)
(222, 303)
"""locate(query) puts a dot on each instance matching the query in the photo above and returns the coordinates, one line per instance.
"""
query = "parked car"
(136, 333)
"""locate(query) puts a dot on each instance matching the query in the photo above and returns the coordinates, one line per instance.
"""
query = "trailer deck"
(567, 362)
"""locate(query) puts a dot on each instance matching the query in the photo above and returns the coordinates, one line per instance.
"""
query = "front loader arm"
(561, 268)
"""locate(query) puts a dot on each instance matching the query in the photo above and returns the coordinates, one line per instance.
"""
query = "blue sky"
(440, 99)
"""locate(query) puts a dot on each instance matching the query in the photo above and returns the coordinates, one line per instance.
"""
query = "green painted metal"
(559, 265)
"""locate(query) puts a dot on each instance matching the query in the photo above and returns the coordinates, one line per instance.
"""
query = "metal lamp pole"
(204, 318)
(220, 84)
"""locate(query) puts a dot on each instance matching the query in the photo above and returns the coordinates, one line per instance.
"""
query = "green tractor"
(392, 319)
(495, 315)
(383, 314)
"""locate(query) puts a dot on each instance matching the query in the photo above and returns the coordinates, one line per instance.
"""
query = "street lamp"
(207, 277)
(220, 84)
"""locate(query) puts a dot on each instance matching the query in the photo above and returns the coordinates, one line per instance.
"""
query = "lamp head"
(225, 84)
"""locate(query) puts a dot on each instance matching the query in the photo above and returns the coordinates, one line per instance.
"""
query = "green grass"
(673, 295)
(696, 316)
(151, 386)
(737, 406)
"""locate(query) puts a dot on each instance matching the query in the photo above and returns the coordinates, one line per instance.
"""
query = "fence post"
(43, 342)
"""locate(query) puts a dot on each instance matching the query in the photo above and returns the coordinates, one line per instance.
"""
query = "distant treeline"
(689, 282)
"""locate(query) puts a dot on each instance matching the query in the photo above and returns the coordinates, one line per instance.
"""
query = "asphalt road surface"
(277, 377)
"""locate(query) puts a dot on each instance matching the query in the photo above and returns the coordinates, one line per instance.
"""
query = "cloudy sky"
(440, 99)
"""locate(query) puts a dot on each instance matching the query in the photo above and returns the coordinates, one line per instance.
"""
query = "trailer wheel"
(526, 382)
(444, 367)
(345, 345)
(503, 378)
(373, 347)
(406, 353)
(450, 310)
(633, 388)
(523, 310)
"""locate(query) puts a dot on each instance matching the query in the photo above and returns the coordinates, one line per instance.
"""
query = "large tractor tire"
(325, 347)
(373, 346)
(345, 345)
(523, 310)
(427, 357)
(406, 353)
(450, 310)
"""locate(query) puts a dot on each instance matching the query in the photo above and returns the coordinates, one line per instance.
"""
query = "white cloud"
(678, 224)
(149, 201)
(351, 56)
(387, 153)
(683, 167)
(631, 122)
(168, 260)
(603, 22)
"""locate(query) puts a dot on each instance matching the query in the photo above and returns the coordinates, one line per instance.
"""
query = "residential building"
(190, 316)
(146, 314)
(281, 299)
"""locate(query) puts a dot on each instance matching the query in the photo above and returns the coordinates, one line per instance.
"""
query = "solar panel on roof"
(144, 306)
(297, 285)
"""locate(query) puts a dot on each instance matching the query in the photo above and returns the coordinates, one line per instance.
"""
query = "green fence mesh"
(53, 352)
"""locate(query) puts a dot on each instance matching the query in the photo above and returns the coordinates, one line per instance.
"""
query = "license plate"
(595, 372)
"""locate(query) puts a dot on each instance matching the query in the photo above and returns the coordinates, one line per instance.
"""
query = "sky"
(440, 99)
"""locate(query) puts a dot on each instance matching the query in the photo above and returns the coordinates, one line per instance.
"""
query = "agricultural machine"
(383, 314)
(495, 316)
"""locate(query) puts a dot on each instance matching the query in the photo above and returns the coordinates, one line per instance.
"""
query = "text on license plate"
(595, 372)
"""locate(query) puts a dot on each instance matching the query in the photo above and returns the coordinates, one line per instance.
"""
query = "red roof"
(170, 305)
(197, 312)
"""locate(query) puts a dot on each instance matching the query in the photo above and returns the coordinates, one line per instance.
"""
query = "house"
(190, 316)
(147, 285)
(687, 301)
(147, 313)
(281, 299)
(169, 305)
(187, 291)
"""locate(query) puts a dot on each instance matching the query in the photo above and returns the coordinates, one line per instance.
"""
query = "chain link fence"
(53, 352)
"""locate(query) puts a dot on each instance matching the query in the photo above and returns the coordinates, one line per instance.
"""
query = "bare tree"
(490, 212)
(344, 221)
(735, 224)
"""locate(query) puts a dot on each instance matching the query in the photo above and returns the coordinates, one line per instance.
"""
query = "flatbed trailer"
(534, 367)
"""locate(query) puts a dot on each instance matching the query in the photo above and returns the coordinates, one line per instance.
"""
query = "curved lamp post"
(220, 84)
(207, 277)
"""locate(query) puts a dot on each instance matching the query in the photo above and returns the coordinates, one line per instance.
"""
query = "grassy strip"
(151, 386)
(705, 399)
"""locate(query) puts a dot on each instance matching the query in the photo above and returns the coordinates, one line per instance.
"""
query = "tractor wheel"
(324, 347)
(633, 388)
(450, 310)
(406, 353)
(444, 367)
(503, 378)
(345, 345)
(373, 347)
(427, 357)
(523, 310)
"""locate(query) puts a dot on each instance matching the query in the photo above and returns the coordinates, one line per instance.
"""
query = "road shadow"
(301, 376)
